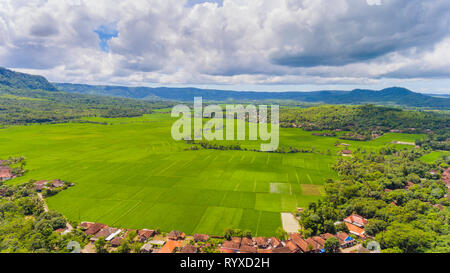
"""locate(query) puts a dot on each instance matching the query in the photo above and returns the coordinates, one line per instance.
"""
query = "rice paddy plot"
(131, 174)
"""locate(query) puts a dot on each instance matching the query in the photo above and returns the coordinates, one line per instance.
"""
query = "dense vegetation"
(25, 227)
(24, 81)
(368, 121)
(20, 106)
(374, 185)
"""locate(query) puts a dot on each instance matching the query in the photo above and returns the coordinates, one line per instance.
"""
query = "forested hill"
(389, 96)
(22, 106)
(24, 81)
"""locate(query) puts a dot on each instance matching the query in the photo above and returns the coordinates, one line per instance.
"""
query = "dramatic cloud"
(253, 42)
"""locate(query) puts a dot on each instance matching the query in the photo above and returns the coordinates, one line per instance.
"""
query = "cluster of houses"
(54, 184)
(178, 242)
(154, 242)
(296, 243)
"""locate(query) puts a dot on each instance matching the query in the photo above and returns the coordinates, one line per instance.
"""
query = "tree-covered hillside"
(364, 119)
(19, 106)
(24, 81)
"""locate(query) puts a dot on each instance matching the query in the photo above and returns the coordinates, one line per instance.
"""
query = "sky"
(255, 45)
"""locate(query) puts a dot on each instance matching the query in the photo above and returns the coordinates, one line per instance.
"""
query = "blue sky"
(105, 33)
(258, 45)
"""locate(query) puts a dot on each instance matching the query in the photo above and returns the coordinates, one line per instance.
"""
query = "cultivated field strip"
(131, 174)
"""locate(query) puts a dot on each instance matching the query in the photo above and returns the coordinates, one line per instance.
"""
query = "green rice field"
(433, 156)
(131, 174)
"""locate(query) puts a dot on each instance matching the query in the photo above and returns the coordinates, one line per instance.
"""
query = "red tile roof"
(189, 249)
(247, 249)
(316, 246)
(116, 241)
(293, 248)
(170, 246)
(226, 250)
(57, 183)
(327, 236)
(246, 241)
(356, 230)
(105, 232)
(356, 220)
(231, 245)
(201, 237)
(300, 242)
(176, 235)
(5, 172)
(342, 236)
(281, 250)
(236, 240)
(261, 241)
(94, 228)
(319, 240)
(275, 242)
(145, 234)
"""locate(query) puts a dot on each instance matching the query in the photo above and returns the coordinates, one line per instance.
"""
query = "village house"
(261, 242)
(227, 251)
(40, 185)
(360, 232)
(171, 246)
(299, 242)
(275, 243)
(108, 233)
(189, 249)
(327, 236)
(356, 220)
(145, 234)
(247, 249)
(313, 245)
(157, 243)
(236, 240)
(57, 183)
(345, 240)
(93, 228)
(293, 248)
(355, 224)
(247, 242)
(116, 241)
(230, 245)
(281, 250)
(176, 235)
(147, 248)
(320, 241)
(5, 173)
(201, 237)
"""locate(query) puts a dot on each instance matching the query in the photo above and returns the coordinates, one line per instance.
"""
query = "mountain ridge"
(388, 96)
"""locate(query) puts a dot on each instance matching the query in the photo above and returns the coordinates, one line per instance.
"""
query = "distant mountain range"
(389, 96)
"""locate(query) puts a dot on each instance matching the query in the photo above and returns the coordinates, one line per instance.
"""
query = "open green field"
(131, 174)
(433, 156)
